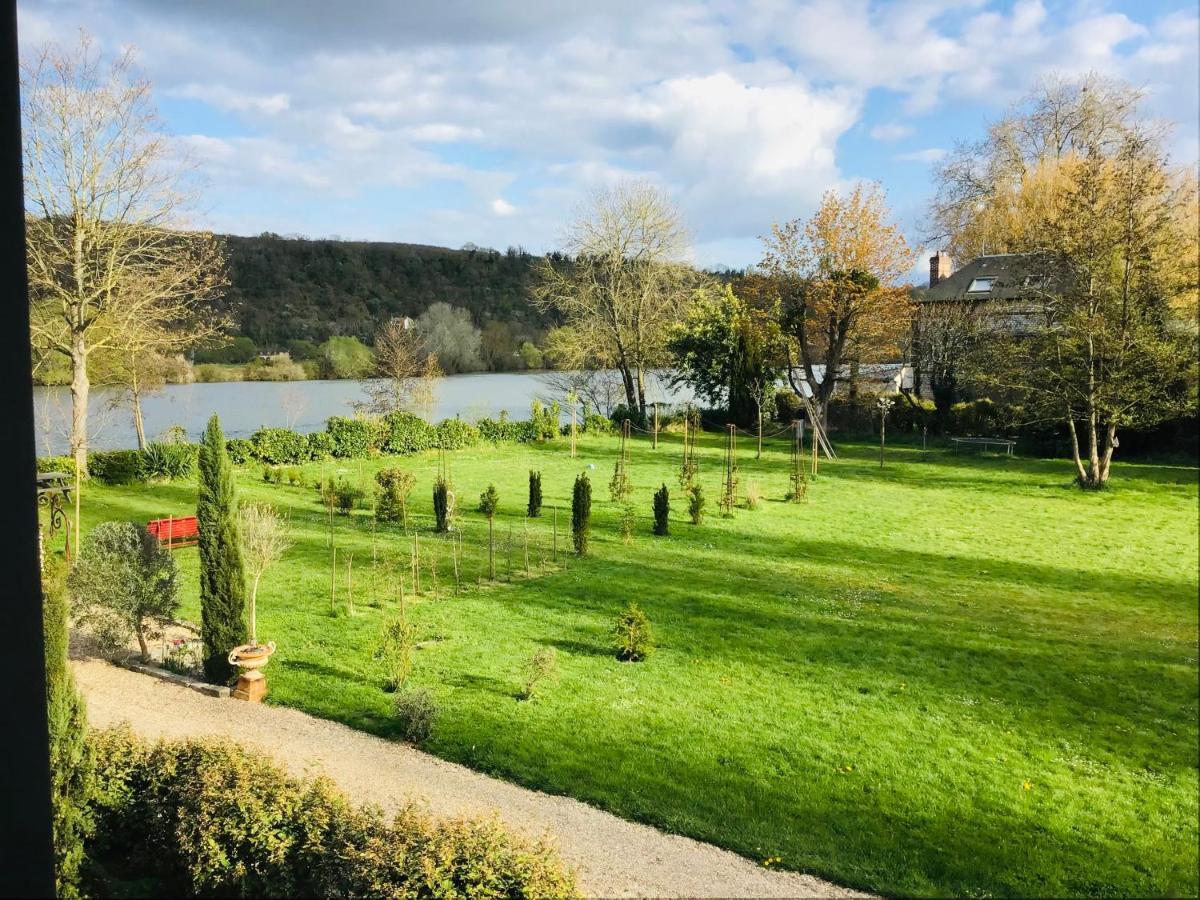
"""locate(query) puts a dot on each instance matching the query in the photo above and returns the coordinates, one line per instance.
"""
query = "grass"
(953, 675)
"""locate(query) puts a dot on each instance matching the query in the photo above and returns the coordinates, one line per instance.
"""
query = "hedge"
(405, 434)
(352, 438)
(455, 434)
(280, 446)
(206, 817)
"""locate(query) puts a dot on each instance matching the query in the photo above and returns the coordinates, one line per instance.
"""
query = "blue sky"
(447, 122)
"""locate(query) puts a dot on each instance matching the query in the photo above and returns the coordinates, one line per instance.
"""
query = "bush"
(504, 431)
(534, 507)
(214, 372)
(662, 511)
(238, 351)
(621, 412)
(279, 446)
(696, 504)
(346, 357)
(788, 405)
(620, 487)
(320, 445)
(392, 487)
(417, 713)
(628, 523)
(274, 368)
(64, 464)
(240, 451)
(489, 501)
(210, 818)
(581, 513)
(544, 421)
(352, 438)
(341, 493)
(632, 636)
(455, 434)
(405, 434)
(542, 666)
(115, 466)
(123, 584)
(594, 423)
(168, 461)
(396, 646)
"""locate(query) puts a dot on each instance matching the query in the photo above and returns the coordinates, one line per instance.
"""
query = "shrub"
(441, 506)
(753, 494)
(278, 367)
(352, 438)
(621, 412)
(620, 487)
(696, 504)
(295, 476)
(341, 493)
(222, 578)
(392, 487)
(541, 667)
(240, 451)
(534, 507)
(65, 464)
(72, 765)
(169, 461)
(544, 421)
(594, 423)
(662, 511)
(628, 523)
(489, 501)
(417, 713)
(320, 445)
(215, 372)
(504, 431)
(396, 646)
(581, 513)
(123, 584)
(210, 818)
(279, 446)
(346, 357)
(788, 405)
(632, 637)
(455, 434)
(115, 466)
(405, 434)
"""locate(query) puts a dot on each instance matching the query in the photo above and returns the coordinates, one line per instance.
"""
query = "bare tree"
(599, 389)
(110, 264)
(294, 403)
(944, 334)
(400, 359)
(625, 285)
(264, 541)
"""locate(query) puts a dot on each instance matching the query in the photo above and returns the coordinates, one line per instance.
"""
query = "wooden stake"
(555, 550)
(454, 549)
(349, 585)
(491, 549)
(333, 582)
(417, 564)
(525, 541)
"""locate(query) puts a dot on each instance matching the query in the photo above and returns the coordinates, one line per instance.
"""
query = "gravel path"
(614, 858)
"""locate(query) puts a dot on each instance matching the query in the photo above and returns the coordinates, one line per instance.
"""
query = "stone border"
(136, 665)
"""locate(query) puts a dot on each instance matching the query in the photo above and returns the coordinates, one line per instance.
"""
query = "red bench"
(172, 532)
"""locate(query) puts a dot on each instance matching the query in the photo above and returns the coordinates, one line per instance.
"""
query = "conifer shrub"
(620, 487)
(696, 504)
(633, 638)
(441, 506)
(662, 511)
(581, 513)
(628, 523)
(222, 578)
(534, 508)
(489, 501)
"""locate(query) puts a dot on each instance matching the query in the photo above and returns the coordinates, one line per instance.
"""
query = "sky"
(447, 121)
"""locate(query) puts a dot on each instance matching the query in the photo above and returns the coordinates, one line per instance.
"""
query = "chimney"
(940, 267)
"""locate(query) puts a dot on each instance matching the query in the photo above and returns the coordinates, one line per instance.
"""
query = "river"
(246, 406)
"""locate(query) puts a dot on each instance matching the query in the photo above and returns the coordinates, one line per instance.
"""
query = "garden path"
(614, 857)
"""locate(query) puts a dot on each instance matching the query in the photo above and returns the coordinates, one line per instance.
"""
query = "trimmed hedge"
(455, 434)
(208, 818)
(405, 434)
(280, 446)
(115, 466)
(352, 438)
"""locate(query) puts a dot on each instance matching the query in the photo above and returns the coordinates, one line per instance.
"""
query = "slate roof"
(1018, 276)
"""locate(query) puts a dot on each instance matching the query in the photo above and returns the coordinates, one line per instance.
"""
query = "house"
(1009, 289)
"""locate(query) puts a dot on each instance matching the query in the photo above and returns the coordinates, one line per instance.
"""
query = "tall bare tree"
(623, 287)
(840, 277)
(111, 262)
(400, 360)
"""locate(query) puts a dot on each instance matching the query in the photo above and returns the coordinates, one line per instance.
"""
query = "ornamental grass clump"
(662, 511)
(395, 650)
(633, 638)
(581, 513)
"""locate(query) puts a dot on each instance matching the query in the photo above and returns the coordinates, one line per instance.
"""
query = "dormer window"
(980, 285)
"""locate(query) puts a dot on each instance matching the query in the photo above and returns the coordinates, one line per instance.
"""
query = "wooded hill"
(285, 289)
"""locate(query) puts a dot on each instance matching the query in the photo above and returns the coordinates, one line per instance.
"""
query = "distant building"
(1009, 288)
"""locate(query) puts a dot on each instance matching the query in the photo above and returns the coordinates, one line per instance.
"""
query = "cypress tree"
(662, 511)
(222, 579)
(535, 495)
(72, 763)
(581, 513)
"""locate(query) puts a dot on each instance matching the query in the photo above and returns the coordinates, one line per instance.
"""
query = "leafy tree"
(581, 513)
(123, 584)
(729, 352)
(624, 286)
(531, 356)
(222, 577)
(238, 351)
(72, 761)
(840, 275)
(346, 357)
(451, 336)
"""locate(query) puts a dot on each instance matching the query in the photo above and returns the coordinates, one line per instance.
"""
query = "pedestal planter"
(250, 659)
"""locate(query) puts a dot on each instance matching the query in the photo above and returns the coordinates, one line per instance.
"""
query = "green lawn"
(954, 675)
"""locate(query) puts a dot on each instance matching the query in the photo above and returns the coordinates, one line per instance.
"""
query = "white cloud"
(502, 207)
(929, 155)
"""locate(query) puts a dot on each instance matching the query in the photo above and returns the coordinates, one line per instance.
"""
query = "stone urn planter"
(250, 659)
